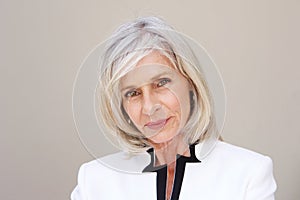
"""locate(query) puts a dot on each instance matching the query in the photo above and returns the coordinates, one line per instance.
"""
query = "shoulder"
(237, 170)
(118, 163)
(237, 160)
(236, 152)
(240, 162)
(222, 152)
(251, 168)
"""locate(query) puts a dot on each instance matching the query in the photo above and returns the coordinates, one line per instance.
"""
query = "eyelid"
(126, 94)
(155, 83)
(168, 80)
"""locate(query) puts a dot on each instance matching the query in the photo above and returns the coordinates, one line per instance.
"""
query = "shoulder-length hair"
(123, 50)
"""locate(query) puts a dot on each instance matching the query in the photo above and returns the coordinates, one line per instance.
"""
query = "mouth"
(157, 125)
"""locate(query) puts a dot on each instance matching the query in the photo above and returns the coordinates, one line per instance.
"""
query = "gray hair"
(123, 50)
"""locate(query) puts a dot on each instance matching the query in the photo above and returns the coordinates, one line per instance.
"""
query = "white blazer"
(227, 173)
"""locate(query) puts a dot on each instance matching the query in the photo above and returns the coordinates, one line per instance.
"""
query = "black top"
(161, 179)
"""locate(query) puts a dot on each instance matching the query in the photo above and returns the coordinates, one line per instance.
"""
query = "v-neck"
(161, 178)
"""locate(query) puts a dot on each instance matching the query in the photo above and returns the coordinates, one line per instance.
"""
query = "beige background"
(43, 42)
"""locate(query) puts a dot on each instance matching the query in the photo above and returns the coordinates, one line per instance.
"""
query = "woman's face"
(156, 98)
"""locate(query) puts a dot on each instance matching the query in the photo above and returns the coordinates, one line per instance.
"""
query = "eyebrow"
(152, 79)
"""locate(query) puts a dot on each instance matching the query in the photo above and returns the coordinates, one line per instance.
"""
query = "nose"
(150, 102)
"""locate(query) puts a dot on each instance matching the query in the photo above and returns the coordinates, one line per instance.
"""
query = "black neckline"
(161, 179)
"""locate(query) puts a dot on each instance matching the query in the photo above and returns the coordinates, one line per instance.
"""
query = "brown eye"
(132, 93)
(163, 82)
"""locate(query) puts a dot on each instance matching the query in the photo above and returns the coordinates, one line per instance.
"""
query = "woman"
(154, 100)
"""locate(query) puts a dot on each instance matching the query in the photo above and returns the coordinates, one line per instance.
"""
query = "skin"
(157, 102)
(155, 91)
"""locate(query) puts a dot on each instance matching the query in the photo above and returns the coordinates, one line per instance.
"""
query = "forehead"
(151, 66)
(145, 74)
(155, 57)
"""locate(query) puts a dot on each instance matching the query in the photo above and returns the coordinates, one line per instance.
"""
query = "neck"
(166, 153)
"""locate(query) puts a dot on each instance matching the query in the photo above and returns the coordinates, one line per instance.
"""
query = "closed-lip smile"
(159, 124)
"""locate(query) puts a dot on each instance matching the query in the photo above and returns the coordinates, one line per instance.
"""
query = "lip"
(159, 124)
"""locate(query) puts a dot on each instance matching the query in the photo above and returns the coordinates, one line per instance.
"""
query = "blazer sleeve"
(79, 191)
(262, 185)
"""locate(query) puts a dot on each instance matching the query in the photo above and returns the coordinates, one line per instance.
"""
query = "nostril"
(152, 110)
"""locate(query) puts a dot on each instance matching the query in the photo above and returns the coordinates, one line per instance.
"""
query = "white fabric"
(227, 173)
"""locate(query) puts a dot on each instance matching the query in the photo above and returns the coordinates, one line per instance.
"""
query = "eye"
(163, 82)
(132, 93)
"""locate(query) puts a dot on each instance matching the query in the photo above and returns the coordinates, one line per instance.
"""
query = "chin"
(161, 138)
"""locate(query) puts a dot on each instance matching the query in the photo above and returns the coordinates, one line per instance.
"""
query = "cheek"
(184, 100)
(172, 103)
(180, 104)
(133, 110)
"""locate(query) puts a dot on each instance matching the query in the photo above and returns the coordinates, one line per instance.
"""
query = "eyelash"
(131, 93)
(163, 82)
(160, 83)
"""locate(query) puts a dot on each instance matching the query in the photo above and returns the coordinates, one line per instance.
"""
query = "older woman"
(154, 100)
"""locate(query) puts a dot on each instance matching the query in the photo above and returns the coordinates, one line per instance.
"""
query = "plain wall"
(43, 42)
